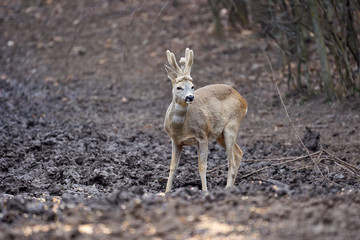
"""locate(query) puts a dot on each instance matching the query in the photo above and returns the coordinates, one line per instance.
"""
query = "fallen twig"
(318, 160)
(264, 160)
(351, 168)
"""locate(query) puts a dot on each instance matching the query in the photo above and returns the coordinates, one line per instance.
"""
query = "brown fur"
(213, 107)
(215, 113)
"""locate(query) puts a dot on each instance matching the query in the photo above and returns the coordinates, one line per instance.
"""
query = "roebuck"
(194, 118)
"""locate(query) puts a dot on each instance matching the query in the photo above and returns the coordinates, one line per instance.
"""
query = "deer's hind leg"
(238, 157)
(232, 150)
(203, 155)
(229, 151)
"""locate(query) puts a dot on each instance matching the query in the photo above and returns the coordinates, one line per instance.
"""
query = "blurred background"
(83, 95)
(316, 42)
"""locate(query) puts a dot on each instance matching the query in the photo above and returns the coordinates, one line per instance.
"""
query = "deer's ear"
(171, 73)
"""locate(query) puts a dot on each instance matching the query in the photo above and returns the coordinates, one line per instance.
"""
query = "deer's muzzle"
(189, 99)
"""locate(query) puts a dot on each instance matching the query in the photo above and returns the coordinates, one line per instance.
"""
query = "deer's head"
(183, 87)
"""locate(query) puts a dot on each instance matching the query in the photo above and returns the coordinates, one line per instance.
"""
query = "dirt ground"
(83, 152)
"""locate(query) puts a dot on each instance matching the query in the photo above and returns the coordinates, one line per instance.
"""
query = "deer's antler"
(189, 59)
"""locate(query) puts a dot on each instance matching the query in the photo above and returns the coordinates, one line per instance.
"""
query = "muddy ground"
(83, 153)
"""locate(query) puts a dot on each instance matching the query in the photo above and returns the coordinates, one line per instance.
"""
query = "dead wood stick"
(353, 169)
(343, 167)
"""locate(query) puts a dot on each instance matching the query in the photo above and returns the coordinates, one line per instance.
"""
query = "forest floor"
(83, 151)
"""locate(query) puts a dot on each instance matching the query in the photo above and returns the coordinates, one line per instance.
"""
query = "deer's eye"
(179, 88)
(192, 87)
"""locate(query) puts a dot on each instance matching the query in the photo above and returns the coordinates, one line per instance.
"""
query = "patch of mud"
(83, 153)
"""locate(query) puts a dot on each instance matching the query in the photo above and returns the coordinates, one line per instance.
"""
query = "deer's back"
(220, 92)
(215, 106)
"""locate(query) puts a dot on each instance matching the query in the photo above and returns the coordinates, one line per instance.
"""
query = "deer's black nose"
(189, 98)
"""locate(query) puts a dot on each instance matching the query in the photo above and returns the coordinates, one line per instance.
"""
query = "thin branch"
(137, 9)
(353, 169)
(318, 160)
(291, 122)
(162, 8)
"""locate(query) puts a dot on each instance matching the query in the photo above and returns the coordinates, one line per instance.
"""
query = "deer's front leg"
(203, 154)
(175, 157)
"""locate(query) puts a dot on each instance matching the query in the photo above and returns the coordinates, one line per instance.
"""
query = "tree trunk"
(238, 13)
(325, 70)
(214, 7)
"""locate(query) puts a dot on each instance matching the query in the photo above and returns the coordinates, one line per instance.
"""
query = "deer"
(213, 112)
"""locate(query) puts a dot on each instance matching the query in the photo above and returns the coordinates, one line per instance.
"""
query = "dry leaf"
(49, 79)
(70, 76)
(108, 43)
(148, 126)
(58, 39)
(153, 54)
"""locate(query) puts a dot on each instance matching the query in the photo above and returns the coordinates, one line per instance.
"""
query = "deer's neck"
(178, 113)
